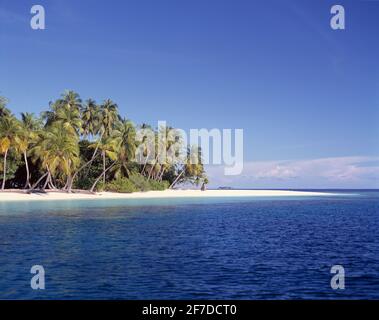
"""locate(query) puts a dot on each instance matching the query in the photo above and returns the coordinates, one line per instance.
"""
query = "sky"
(306, 96)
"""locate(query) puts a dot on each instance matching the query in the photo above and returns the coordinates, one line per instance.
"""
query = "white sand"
(51, 195)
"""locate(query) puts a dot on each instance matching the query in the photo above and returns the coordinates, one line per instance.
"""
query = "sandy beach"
(54, 195)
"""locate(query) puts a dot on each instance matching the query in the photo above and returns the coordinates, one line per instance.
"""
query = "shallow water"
(265, 248)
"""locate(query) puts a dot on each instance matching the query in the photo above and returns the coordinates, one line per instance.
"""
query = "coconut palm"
(4, 111)
(109, 148)
(27, 133)
(71, 99)
(124, 138)
(170, 136)
(109, 117)
(9, 127)
(65, 111)
(146, 147)
(69, 118)
(91, 125)
(58, 151)
(192, 170)
(91, 118)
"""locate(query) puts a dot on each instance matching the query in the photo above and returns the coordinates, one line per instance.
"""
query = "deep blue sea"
(261, 248)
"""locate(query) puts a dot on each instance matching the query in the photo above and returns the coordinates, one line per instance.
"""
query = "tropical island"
(82, 146)
(76, 149)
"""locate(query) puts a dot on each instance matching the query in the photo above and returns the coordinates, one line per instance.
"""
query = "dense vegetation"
(76, 145)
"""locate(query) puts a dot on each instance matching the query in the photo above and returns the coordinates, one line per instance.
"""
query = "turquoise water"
(238, 248)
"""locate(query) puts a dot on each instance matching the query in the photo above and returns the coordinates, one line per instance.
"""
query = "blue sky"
(301, 91)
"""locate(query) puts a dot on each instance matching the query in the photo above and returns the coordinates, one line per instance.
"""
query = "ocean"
(237, 248)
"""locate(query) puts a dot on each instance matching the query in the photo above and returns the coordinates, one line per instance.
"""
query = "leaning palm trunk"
(51, 186)
(69, 185)
(4, 169)
(27, 182)
(47, 181)
(161, 175)
(70, 181)
(144, 166)
(38, 182)
(65, 186)
(176, 180)
(100, 176)
(104, 171)
(152, 168)
(94, 155)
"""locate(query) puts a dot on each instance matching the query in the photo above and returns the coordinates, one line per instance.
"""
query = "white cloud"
(337, 172)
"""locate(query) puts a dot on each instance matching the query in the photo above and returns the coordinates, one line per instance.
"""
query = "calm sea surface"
(265, 248)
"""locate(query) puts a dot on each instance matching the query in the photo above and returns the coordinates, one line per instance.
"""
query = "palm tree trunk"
(144, 166)
(104, 171)
(102, 174)
(47, 181)
(161, 175)
(39, 180)
(27, 182)
(51, 183)
(69, 183)
(94, 155)
(152, 168)
(4, 169)
(81, 168)
(176, 180)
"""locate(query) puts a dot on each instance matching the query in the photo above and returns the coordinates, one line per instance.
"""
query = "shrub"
(140, 182)
(122, 185)
(136, 182)
(100, 186)
(157, 185)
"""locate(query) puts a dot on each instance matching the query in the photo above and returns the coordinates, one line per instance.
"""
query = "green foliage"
(140, 182)
(87, 176)
(135, 182)
(159, 185)
(143, 184)
(13, 163)
(122, 185)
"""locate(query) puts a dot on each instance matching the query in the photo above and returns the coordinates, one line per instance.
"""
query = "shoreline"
(20, 195)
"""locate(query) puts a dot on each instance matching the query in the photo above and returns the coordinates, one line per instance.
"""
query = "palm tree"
(65, 111)
(192, 170)
(109, 120)
(27, 133)
(9, 127)
(69, 118)
(124, 138)
(4, 111)
(145, 148)
(91, 118)
(109, 117)
(71, 99)
(58, 151)
(171, 136)
(91, 126)
(109, 148)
